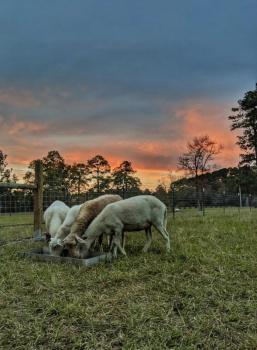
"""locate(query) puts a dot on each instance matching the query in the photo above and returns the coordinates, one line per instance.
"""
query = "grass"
(11, 226)
(202, 295)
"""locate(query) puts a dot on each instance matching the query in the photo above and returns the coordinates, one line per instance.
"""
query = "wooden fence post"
(38, 200)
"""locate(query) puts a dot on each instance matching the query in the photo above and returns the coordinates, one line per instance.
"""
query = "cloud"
(18, 98)
(150, 144)
(29, 128)
(131, 81)
(211, 119)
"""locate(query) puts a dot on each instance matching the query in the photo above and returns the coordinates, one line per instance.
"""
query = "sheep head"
(76, 247)
(55, 246)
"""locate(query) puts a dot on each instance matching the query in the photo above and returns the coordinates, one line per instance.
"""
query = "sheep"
(55, 243)
(133, 214)
(54, 216)
(88, 211)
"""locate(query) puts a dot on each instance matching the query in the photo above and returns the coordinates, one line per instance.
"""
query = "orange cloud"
(20, 127)
(153, 154)
(211, 119)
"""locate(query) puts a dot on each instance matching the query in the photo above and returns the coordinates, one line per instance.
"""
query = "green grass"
(13, 232)
(203, 295)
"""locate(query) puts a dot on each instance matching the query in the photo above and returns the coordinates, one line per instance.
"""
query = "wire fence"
(17, 205)
(20, 201)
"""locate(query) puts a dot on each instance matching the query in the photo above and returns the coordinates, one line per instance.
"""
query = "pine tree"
(124, 178)
(245, 119)
(55, 172)
(99, 171)
(78, 177)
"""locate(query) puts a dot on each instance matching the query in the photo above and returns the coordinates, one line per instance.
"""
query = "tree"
(29, 177)
(124, 178)
(160, 190)
(200, 153)
(197, 160)
(146, 191)
(78, 179)
(99, 170)
(245, 118)
(6, 174)
(55, 172)
(3, 162)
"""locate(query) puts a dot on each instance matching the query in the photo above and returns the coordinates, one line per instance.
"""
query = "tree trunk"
(197, 191)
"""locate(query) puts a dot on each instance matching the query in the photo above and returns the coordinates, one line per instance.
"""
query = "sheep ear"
(80, 240)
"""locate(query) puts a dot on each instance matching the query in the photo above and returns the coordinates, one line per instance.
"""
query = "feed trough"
(43, 254)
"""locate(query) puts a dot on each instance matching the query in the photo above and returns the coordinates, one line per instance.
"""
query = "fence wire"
(16, 205)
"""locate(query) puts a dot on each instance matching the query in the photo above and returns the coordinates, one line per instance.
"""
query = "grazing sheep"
(133, 214)
(87, 213)
(55, 243)
(54, 216)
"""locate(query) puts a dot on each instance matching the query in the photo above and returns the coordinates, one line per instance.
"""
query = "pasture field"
(19, 226)
(202, 295)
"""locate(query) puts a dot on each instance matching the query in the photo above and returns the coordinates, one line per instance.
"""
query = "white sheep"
(54, 216)
(133, 214)
(55, 243)
(88, 211)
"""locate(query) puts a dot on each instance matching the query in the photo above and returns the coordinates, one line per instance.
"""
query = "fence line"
(36, 197)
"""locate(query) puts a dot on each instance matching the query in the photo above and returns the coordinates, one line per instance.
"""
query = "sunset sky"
(127, 79)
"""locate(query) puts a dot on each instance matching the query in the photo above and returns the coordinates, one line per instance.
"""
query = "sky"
(131, 80)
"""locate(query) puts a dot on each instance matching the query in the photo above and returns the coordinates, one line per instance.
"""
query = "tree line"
(71, 183)
(95, 175)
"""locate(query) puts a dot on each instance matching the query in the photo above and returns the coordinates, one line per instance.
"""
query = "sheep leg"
(117, 242)
(113, 247)
(149, 238)
(115, 251)
(162, 230)
(123, 240)
(110, 246)
(108, 240)
(100, 242)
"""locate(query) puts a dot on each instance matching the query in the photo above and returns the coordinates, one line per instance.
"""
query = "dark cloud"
(173, 48)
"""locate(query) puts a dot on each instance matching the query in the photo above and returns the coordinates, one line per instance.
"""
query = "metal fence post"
(38, 200)
(203, 204)
(10, 203)
(173, 201)
(240, 199)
